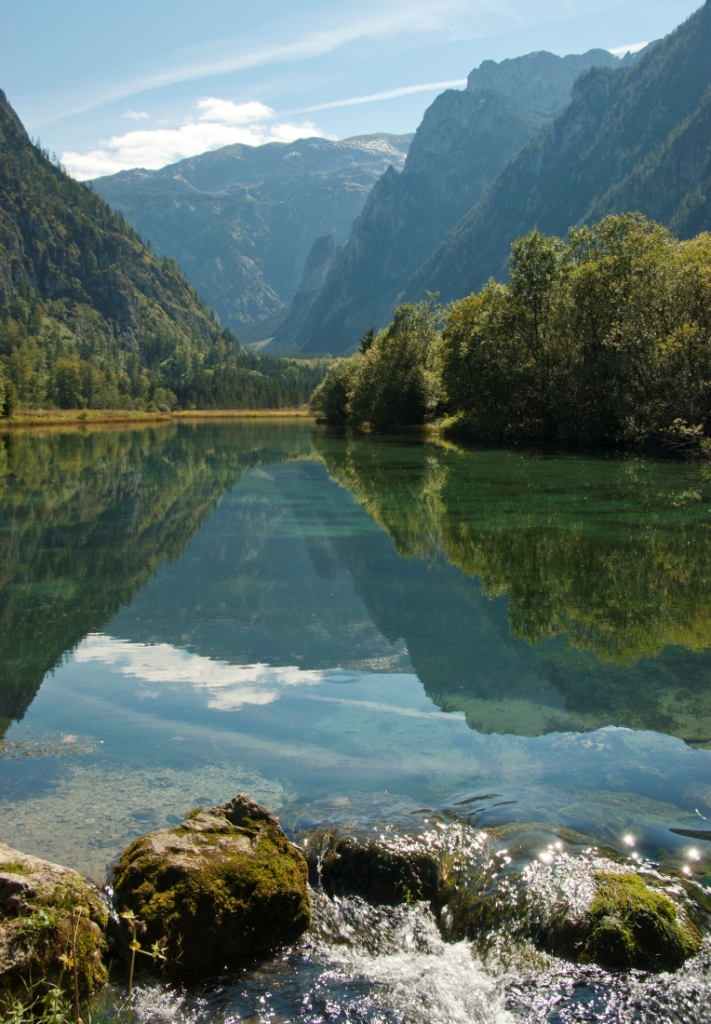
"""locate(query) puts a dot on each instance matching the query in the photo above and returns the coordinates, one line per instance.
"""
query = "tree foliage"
(601, 340)
(605, 340)
(390, 382)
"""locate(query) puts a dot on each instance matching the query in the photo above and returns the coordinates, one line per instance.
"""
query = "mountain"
(241, 220)
(638, 139)
(465, 139)
(90, 316)
(541, 80)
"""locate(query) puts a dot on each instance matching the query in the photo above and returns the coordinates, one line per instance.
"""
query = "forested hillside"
(90, 317)
(637, 139)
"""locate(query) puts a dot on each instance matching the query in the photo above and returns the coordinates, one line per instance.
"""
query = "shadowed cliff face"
(541, 81)
(464, 141)
(630, 140)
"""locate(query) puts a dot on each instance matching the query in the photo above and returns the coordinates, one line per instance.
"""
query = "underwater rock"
(224, 885)
(44, 910)
(595, 911)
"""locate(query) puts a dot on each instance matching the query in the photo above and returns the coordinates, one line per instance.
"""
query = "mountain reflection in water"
(531, 594)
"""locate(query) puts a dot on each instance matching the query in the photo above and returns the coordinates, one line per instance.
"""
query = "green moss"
(236, 903)
(41, 942)
(632, 926)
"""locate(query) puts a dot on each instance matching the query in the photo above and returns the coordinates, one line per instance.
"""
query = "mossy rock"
(594, 911)
(630, 925)
(224, 886)
(41, 904)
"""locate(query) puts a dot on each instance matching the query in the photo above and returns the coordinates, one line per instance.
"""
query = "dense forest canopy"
(601, 340)
(89, 316)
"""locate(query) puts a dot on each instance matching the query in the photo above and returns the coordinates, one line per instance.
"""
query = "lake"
(358, 629)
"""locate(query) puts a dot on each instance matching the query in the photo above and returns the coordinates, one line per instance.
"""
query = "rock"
(595, 911)
(583, 907)
(381, 869)
(630, 925)
(451, 867)
(223, 886)
(37, 903)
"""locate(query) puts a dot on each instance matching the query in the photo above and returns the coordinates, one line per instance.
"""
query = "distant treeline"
(51, 358)
(603, 340)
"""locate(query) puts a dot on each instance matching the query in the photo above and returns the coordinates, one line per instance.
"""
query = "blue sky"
(128, 83)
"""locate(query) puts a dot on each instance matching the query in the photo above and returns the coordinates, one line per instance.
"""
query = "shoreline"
(103, 417)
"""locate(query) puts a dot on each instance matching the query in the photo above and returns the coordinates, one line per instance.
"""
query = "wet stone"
(223, 886)
(592, 910)
(583, 907)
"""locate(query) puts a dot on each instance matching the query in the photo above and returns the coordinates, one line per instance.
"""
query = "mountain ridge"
(614, 148)
(464, 141)
(241, 220)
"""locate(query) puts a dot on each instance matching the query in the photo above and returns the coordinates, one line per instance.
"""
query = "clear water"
(358, 629)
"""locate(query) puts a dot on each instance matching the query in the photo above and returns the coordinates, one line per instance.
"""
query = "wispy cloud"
(389, 94)
(220, 123)
(620, 51)
(135, 115)
(443, 18)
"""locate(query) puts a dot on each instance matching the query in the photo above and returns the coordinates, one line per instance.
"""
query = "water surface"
(350, 628)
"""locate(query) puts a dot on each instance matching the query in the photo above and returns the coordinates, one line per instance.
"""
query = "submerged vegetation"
(601, 340)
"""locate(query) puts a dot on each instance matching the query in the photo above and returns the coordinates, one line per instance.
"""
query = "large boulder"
(46, 913)
(385, 869)
(223, 886)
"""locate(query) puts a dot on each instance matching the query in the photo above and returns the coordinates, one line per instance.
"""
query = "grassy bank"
(95, 417)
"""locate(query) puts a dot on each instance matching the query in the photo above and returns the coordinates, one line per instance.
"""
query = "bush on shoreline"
(601, 340)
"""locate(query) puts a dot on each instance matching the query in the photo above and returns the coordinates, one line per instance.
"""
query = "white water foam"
(411, 975)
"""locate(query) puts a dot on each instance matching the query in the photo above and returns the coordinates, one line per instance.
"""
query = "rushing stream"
(388, 634)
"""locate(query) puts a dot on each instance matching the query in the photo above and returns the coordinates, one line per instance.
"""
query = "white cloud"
(620, 51)
(227, 112)
(135, 115)
(228, 687)
(222, 123)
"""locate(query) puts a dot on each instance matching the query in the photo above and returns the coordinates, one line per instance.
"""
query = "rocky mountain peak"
(539, 81)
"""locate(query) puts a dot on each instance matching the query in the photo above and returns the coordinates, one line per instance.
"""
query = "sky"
(143, 83)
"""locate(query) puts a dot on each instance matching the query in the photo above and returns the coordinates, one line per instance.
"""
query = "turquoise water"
(348, 627)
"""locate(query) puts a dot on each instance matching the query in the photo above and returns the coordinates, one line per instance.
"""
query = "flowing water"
(387, 633)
